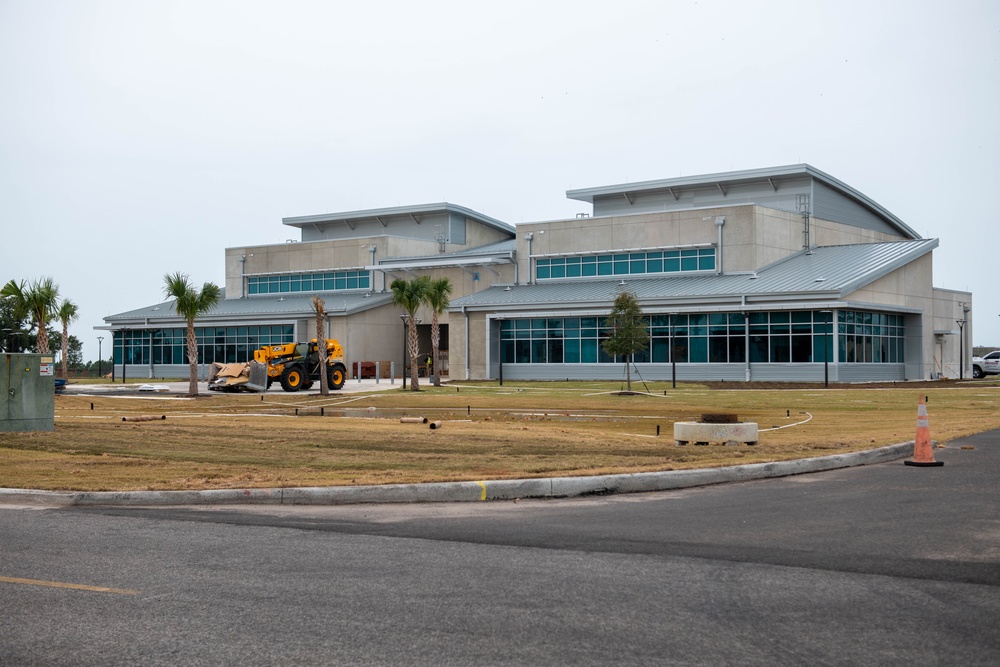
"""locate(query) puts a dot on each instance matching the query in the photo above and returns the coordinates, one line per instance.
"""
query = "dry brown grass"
(516, 431)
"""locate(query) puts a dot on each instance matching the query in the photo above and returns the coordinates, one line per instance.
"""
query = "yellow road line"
(60, 584)
(482, 484)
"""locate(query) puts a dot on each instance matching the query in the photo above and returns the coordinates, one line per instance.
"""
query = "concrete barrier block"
(685, 432)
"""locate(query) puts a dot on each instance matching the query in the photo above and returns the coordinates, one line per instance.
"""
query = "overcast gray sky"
(141, 138)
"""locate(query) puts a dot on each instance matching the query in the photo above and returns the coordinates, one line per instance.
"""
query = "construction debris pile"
(249, 376)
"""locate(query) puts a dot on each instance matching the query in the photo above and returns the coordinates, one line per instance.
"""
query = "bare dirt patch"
(519, 430)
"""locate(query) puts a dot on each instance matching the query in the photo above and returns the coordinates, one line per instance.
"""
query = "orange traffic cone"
(923, 452)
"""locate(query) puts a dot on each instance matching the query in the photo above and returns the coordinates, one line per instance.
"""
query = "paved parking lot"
(884, 564)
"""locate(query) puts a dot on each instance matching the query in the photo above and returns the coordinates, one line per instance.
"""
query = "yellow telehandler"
(296, 365)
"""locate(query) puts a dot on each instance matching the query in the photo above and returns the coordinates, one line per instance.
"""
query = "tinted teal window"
(637, 262)
(718, 324)
(309, 282)
(689, 260)
(706, 259)
(698, 349)
(706, 338)
(634, 263)
(781, 351)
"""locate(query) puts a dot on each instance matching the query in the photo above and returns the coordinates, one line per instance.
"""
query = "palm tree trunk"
(65, 352)
(435, 347)
(43, 338)
(192, 345)
(324, 383)
(411, 332)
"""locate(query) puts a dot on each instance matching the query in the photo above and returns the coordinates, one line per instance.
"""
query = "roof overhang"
(770, 175)
(384, 215)
(263, 309)
(439, 263)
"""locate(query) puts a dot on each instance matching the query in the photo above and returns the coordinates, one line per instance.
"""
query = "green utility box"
(27, 392)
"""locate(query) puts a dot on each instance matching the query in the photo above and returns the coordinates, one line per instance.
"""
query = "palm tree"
(411, 294)
(437, 298)
(318, 308)
(67, 313)
(189, 304)
(37, 299)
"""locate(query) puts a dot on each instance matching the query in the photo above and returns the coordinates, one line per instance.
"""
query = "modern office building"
(779, 274)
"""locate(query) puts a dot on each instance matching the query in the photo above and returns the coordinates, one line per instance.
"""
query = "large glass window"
(621, 264)
(870, 338)
(330, 281)
(223, 344)
(772, 337)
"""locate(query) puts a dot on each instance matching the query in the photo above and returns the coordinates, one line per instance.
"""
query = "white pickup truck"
(987, 365)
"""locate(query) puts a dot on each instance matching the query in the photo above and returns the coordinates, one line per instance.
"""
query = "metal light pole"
(673, 354)
(100, 339)
(124, 352)
(500, 348)
(961, 348)
(406, 320)
(826, 347)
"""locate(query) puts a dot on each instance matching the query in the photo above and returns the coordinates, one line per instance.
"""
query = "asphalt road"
(887, 564)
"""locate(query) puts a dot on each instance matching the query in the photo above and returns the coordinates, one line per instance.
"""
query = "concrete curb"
(503, 489)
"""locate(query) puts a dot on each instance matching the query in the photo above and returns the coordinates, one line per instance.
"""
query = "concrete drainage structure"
(716, 428)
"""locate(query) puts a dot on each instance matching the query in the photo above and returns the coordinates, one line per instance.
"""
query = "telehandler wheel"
(291, 379)
(336, 376)
(307, 385)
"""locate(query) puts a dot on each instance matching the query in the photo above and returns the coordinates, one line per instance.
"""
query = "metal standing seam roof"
(296, 306)
(831, 271)
(773, 174)
(270, 307)
(397, 211)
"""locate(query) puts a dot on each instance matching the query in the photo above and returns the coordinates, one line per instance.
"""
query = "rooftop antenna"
(441, 237)
(802, 205)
